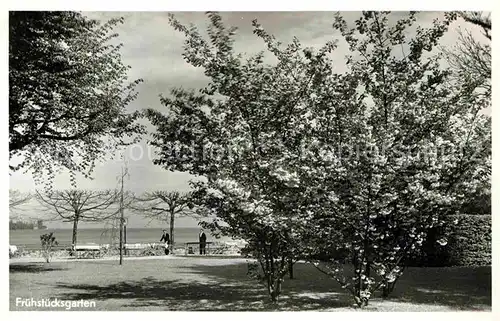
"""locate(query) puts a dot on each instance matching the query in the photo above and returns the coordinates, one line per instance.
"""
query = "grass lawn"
(191, 284)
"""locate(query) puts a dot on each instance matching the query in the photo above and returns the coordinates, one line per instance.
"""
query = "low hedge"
(469, 243)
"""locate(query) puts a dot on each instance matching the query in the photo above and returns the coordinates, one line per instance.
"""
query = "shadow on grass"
(33, 268)
(228, 288)
(465, 288)
(462, 288)
(200, 296)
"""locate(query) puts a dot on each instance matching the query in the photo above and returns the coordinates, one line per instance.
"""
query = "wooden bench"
(144, 246)
(136, 247)
(88, 248)
(188, 248)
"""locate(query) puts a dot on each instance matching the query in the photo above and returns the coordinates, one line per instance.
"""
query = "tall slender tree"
(165, 206)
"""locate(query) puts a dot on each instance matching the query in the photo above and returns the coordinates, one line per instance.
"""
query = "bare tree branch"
(479, 19)
(471, 61)
(164, 206)
(17, 198)
(79, 206)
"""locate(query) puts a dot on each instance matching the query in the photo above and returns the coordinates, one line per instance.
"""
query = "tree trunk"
(172, 218)
(274, 288)
(360, 285)
(290, 268)
(361, 302)
(367, 273)
(387, 289)
(75, 228)
(274, 282)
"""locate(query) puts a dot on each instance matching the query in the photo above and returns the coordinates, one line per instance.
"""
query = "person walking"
(203, 242)
(165, 238)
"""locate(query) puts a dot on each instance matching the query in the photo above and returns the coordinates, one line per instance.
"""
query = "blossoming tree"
(405, 148)
(299, 158)
(240, 133)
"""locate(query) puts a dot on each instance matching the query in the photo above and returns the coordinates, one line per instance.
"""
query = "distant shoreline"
(103, 227)
(106, 235)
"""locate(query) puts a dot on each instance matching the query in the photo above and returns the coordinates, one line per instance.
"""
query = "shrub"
(48, 242)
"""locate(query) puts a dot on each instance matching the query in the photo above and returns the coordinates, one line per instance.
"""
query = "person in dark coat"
(165, 238)
(203, 242)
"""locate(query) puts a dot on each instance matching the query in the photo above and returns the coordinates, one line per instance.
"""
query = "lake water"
(31, 238)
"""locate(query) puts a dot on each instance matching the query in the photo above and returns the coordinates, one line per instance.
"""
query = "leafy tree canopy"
(68, 92)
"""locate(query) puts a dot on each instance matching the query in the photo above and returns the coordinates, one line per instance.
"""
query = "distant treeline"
(21, 225)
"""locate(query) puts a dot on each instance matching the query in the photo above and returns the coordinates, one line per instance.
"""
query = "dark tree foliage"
(68, 92)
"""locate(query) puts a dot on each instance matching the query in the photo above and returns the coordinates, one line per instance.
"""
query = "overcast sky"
(153, 49)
